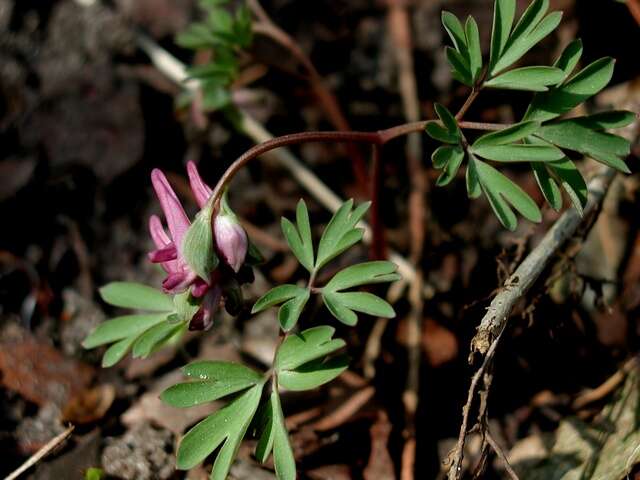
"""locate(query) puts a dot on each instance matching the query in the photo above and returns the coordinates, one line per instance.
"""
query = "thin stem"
(378, 138)
(470, 99)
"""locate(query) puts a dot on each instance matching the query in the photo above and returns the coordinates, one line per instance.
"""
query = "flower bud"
(231, 240)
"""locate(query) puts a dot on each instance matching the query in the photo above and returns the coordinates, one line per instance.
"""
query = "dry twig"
(40, 454)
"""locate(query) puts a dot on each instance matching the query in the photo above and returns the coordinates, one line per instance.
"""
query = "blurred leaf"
(122, 327)
(117, 351)
(457, 34)
(438, 132)
(154, 338)
(548, 185)
(473, 182)
(136, 295)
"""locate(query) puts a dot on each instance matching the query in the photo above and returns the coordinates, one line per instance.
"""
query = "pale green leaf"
(519, 153)
(135, 295)
(117, 351)
(313, 374)
(472, 181)
(365, 302)
(283, 459)
(527, 78)
(548, 185)
(441, 134)
(473, 44)
(277, 295)
(503, 14)
(183, 395)
(508, 135)
(213, 370)
(362, 274)
(154, 338)
(569, 57)
(558, 101)
(338, 310)
(290, 311)
(228, 425)
(305, 346)
(122, 327)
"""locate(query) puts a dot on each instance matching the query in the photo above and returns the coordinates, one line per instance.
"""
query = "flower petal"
(203, 319)
(200, 190)
(199, 288)
(177, 220)
(163, 255)
(178, 281)
(158, 235)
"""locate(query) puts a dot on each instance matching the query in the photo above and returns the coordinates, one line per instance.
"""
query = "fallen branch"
(519, 283)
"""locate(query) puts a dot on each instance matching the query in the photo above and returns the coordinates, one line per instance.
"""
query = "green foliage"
(143, 333)
(341, 233)
(274, 437)
(298, 236)
(540, 138)
(223, 32)
(94, 473)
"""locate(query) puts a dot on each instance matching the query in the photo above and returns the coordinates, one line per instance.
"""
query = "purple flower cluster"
(229, 237)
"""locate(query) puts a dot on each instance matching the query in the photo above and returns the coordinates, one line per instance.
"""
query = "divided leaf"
(122, 327)
(362, 274)
(275, 437)
(341, 232)
(449, 159)
(136, 295)
(519, 153)
(290, 312)
(508, 135)
(227, 426)
(562, 99)
(313, 374)
(299, 236)
(216, 379)
(534, 79)
(310, 344)
(503, 194)
(276, 296)
(154, 338)
(503, 15)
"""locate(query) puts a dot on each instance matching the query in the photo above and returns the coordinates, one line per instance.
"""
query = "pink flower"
(231, 240)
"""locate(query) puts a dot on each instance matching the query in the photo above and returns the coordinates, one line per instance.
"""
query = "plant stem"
(378, 138)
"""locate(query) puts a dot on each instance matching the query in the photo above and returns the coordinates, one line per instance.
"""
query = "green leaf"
(519, 153)
(365, 302)
(473, 43)
(530, 29)
(299, 237)
(362, 274)
(338, 236)
(228, 425)
(266, 431)
(572, 182)
(277, 295)
(94, 473)
(457, 34)
(197, 245)
(289, 312)
(135, 295)
(305, 346)
(122, 327)
(548, 186)
(608, 120)
(183, 395)
(441, 134)
(154, 338)
(196, 37)
(451, 166)
(503, 14)
(447, 118)
(569, 57)
(501, 192)
(274, 436)
(558, 101)
(219, 370)
(313, 374)
(185, 307)
(527, 78)
(507, 135)
(117, 351)
(459, 66)
(473, 182)
(338, 310)
(575, 134)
